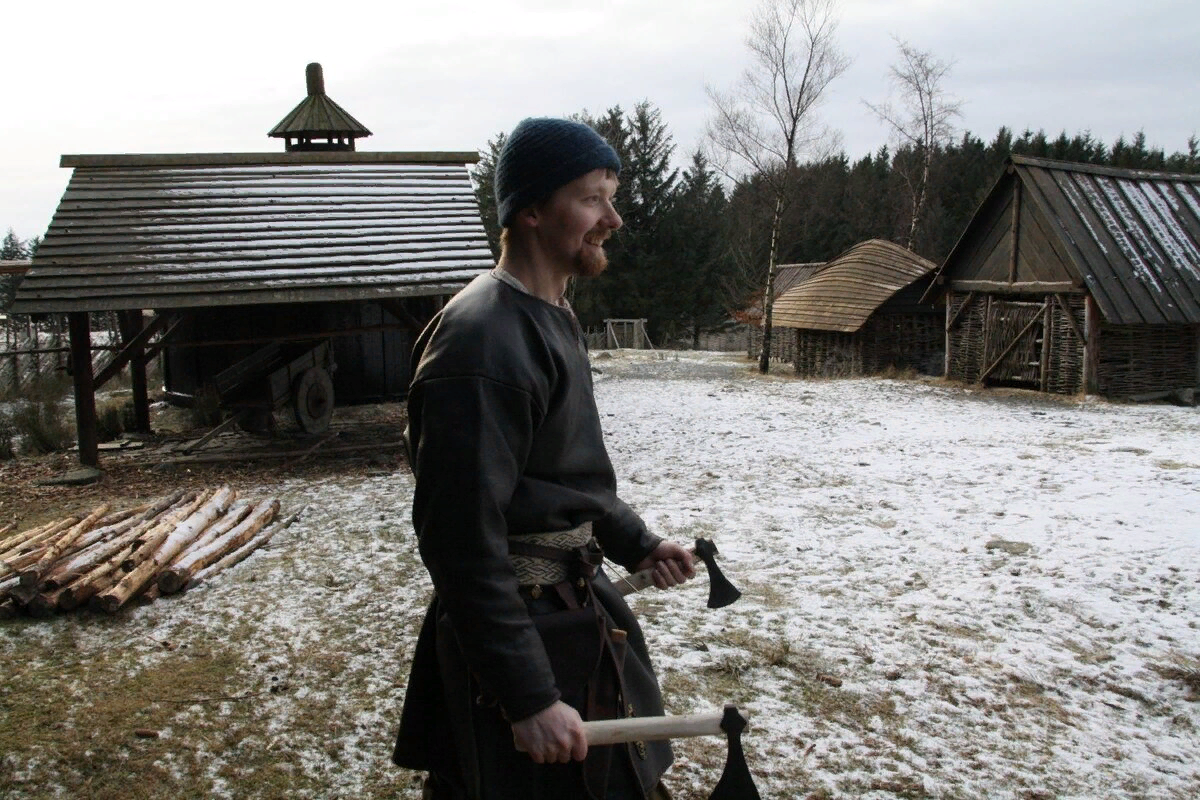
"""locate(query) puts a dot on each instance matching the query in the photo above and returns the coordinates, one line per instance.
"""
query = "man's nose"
(614, 219)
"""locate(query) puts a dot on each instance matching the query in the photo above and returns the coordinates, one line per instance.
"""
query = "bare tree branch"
(920, 115)
(767, 122)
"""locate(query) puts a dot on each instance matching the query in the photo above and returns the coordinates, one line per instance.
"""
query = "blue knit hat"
(542, 154)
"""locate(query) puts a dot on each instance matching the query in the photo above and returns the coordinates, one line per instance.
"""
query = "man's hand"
(552, 735)
(672, 564)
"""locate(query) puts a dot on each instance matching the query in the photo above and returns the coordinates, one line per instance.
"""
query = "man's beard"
(591, 261)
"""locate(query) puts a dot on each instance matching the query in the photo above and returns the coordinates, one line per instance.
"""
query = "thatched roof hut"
(862, 313)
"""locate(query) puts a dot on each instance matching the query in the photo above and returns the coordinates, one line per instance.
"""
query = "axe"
(720, 591)
(736, 782)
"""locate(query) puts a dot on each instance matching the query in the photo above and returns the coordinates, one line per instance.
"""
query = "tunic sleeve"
(623, 535)
(469, 461)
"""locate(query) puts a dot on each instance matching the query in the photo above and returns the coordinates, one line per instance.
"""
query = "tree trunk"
(36, 538)
(177, 576)
(30, 576)
(91, 583)
(219, 528)
(242, 552)
(764, 359)
(165, 547)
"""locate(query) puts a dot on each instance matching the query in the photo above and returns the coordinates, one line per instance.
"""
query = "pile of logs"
(107, 558)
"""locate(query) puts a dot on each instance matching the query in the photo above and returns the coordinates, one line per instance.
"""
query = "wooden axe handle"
(648, 729)
(635, 582)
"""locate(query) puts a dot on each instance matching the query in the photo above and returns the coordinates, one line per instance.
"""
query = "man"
(515, 497)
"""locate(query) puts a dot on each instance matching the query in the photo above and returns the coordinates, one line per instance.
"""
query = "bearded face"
(591, 260)
(576, 221)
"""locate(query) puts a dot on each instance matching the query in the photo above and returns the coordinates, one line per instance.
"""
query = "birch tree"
(767, 121)
(920, 115)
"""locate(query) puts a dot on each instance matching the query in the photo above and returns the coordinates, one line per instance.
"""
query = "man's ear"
(529, 216)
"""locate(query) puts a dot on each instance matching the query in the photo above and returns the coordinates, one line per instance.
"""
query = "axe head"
(736, 782)
(720, 591)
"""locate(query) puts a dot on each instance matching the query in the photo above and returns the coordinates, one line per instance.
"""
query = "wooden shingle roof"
(171, 231)
(842, 295)
(1133, 236)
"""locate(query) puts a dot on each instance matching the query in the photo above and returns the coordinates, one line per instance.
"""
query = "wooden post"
(1016, 230)
(85, 395)
(1047, 343)
(131, 326)
(1091, 347)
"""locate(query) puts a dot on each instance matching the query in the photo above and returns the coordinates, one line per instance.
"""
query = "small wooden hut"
(320, 256)
(782, 341)
(1078, 278)
(862, 313)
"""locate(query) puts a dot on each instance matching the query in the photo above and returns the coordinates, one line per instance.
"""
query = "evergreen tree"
(12, 248)
(483, 175)
(691, 289)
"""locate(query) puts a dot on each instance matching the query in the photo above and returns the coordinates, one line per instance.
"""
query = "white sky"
(132, 76)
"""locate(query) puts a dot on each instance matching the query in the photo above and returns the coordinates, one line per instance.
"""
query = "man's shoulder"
(488, 329)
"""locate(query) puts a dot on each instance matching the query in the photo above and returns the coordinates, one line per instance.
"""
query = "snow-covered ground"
(1000, 575)
(946, 593)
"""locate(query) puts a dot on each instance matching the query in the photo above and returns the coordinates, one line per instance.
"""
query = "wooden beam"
(85, 391)
(1070, 318)
(134, 345)
(132, 324)
(1016, 339)
(1044, 366)
(395, 307)
(255, 159)
(1091, 349)
(1016, 230)
(950, 322)
(1020, 287)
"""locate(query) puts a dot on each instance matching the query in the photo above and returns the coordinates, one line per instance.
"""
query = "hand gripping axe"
(720, 591)
(736, 783)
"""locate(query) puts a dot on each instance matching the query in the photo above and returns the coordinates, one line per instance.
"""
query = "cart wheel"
(313, 400)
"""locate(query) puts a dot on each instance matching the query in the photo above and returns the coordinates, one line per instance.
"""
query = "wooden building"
(862, 313)
(1072, 277)
(346, 253)
(782, 341)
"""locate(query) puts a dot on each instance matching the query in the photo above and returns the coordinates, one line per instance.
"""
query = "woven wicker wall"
(1143, 359)
(902, 341)
(783, 343)
(966, 338)
(1064, 362)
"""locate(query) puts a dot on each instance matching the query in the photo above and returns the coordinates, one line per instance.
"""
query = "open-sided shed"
(862, 313)
(1073, 277)
(320, 252)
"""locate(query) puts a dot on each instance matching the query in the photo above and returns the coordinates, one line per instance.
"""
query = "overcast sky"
(128, 76)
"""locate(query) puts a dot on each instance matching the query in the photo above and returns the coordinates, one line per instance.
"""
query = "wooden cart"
(276, 376)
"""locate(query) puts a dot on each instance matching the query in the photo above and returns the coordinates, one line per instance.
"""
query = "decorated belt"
(533, 561)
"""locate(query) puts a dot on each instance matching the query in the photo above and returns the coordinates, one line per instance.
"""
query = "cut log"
(176, 577)
(237, 513)
(31, 576)
(13, 544)
(166, 549)
(239, 554)
(66, 572)
(100, 578)
(44, 604)
(84, 561)
(149, 541)
(42, 535)
(7, 529)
